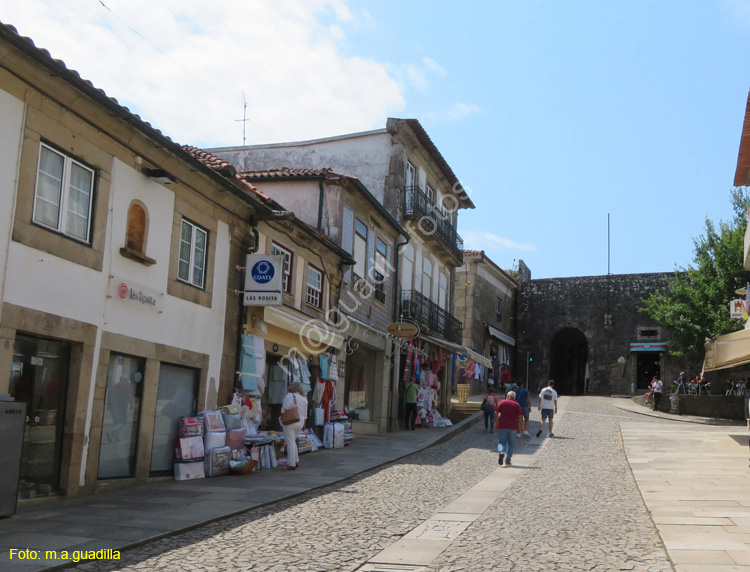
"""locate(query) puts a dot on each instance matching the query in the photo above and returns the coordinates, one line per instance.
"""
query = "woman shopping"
(293, 418)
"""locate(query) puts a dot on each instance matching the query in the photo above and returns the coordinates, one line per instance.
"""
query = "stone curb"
(457, 429)
(625, 404)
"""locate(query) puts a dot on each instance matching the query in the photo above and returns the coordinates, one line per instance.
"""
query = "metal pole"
(527, 369)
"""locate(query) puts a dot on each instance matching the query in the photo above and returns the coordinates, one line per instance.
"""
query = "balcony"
(432, 319)
(431, 222)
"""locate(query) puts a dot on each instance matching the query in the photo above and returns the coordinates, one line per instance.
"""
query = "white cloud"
(457, 111)
(187, 77)
(478, 240)
(434, 67)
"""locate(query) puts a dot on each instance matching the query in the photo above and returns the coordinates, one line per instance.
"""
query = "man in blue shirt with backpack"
(523, 398)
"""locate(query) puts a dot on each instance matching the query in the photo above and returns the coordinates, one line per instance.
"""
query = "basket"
(244, 469)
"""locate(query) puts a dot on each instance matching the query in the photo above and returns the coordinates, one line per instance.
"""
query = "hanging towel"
(260, 362)
(333, 369)
(248, 377)
(324, 363)
(305, 375)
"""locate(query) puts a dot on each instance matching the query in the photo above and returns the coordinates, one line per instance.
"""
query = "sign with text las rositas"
(264, 275)
(126, 291)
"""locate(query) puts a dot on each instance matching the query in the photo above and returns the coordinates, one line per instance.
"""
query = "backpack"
(487, 398)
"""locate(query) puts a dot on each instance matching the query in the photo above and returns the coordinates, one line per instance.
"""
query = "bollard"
(674, 404)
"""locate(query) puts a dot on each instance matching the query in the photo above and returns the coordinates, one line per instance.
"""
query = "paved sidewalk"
(694, 480)
(121, 519)
(626, 403)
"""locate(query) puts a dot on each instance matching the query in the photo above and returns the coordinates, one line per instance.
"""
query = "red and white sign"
(126, 291)
(735, 308)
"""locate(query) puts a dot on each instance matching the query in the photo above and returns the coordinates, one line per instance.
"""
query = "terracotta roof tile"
(473, 252)
(227, 169)
(287, 173)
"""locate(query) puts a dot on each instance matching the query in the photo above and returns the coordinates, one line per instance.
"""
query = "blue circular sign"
(262, 272)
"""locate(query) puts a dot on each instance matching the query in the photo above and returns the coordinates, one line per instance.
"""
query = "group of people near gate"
(510, 417)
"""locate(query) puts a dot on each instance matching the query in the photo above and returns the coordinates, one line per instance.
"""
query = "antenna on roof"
(244, 119)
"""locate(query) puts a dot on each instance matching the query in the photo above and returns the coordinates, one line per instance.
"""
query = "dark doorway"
(648, 365)
(570, 352)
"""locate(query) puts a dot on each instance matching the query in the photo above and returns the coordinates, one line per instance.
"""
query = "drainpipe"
(396, 305)
(320, 205)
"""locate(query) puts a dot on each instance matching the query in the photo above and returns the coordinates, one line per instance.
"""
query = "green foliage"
(695, 305)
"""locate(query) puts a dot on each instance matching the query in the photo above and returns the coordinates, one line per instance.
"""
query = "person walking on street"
(508, 421)
(656, 389)
(488, 406)
(547, 406)
(523, 398)
(410, 401)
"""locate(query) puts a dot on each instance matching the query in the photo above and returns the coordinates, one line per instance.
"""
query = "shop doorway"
(568, 364)
(359, 390)
(122, 407)
(177, 397)
(648, 365)
(39, 378)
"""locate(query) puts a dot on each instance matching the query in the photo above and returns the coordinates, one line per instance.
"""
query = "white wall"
(364, 156)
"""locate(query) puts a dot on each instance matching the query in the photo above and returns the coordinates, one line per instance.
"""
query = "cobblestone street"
(575, 506)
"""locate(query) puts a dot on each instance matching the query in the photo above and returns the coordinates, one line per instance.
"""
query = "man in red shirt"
(508, 421)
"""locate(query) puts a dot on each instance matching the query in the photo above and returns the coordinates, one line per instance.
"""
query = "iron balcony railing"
(431, 220)
(430, 317)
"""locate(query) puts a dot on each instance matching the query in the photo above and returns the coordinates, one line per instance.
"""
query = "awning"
(451, 347)
(477, 358)
(648, 346)
(314, 336)
(503, 337)
(726, 351)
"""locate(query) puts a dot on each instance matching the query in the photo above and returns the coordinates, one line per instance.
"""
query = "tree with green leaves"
(695, 304)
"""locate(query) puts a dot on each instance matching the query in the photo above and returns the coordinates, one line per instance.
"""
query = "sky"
(594, 136)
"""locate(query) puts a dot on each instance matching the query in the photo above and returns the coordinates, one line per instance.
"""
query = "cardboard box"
(187, 471)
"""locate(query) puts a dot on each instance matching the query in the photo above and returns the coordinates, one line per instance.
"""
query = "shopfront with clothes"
(428, 362)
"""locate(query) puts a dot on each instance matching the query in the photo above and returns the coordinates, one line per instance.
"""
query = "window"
(443, 291)
(381, 255)
(430, 194)
(63, 193)
(314, 286)
(360, 248)
(427, 278)
(407, 267)
(499, 309)
(286, 282)
(192, 263)
(411, 175)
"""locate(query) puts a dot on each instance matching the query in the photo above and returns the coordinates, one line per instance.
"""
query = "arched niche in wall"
(136, 235)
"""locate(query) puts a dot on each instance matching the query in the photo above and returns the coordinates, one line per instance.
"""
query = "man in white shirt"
(547, 406)
(656, 390)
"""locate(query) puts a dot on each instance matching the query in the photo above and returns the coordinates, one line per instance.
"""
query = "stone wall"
(600, 314)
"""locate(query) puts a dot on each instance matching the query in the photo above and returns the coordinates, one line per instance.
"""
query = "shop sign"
(263, 280)
(134, 294)
(735, 308)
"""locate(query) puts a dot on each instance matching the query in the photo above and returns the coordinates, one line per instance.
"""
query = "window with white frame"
(286, 281)
(314, 286)
(443, 291)
(499, 309)
(411, 175)
(63, 194)
(381, 255)
(427, 278)
(407, 267)
(430, 192)
(193, 247)
(360, 248)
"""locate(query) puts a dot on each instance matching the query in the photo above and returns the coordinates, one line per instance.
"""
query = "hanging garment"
(478, 372)
(328, 399)
(305, 372)
(333, 369)
(324, 363)
(470, 369)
